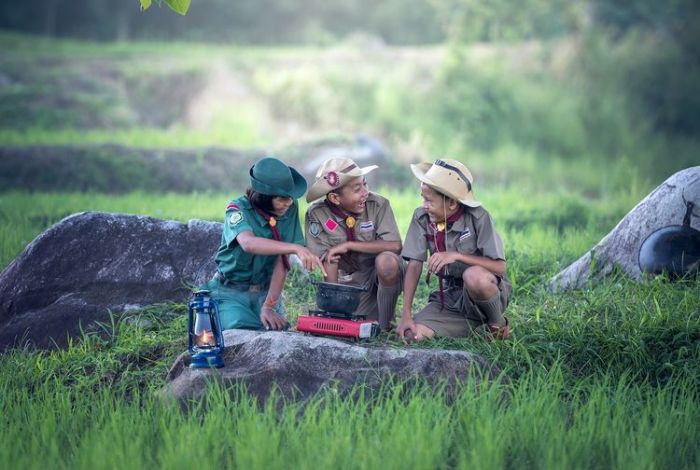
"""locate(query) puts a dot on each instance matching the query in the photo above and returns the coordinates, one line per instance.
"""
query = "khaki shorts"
(367, 278)
(460, 316)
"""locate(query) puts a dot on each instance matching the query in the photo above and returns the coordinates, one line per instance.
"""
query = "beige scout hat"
(449, 177)
(333, 174)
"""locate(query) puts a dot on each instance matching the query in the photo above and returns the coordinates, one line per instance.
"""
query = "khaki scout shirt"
(471, 234)
(325, 230)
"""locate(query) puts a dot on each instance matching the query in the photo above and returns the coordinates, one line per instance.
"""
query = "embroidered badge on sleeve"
(314, 229)
(232, 206)
(235, 218)
(330, 225)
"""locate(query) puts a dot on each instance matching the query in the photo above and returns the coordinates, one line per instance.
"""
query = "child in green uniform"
(466, 254)
(354, 232)
(260, 230)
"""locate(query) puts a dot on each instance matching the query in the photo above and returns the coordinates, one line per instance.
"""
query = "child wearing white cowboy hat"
(466, 254)
(354, 232)
(260, 230)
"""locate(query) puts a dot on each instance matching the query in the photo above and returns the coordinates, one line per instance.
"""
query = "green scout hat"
(448, 177)
(334, 174)
(272, 177)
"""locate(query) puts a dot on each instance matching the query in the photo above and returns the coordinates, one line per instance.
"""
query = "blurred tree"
(505, 20)
(241, 21)
(661, 65)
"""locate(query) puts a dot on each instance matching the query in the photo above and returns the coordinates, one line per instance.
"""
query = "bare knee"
(387, 267)
(480, 283)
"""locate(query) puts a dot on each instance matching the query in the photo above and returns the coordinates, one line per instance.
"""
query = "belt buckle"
(254, 288)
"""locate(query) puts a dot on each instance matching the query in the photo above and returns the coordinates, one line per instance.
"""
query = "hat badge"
(332, 178)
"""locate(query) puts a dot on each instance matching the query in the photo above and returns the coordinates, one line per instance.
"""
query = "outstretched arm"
(410, 283)
(373, 247)
(269, 317)
(264, 246)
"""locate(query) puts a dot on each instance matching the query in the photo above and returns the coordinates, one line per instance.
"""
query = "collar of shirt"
(244, 203)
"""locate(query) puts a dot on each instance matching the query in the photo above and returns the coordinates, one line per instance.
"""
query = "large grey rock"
(299, 366)
(662, 207)
(92, 262)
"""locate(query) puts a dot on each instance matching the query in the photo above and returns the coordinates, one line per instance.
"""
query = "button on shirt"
(471, 234)
(238, 266)
(325, 230)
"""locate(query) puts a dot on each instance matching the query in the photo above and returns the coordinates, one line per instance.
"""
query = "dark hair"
(261, 201)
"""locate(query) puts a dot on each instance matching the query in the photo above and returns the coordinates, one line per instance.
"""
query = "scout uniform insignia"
(332, 178)
(314, 229)
(235, 218)
(441, 226)
(232, 206)
(367, 226)
(272, 222)
(466, 234)
(350, 222)
(331, 225)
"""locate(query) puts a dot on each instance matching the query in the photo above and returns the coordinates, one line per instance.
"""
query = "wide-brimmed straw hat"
(334, 174)
(448, 177)
(272, 177)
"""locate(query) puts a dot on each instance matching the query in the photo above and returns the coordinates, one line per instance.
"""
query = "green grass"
(604, 377)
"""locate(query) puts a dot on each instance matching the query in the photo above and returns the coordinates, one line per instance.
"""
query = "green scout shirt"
(325, 230)
(238, 266)
(471, 234)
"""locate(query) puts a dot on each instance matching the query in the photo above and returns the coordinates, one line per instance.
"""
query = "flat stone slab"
(300, 365)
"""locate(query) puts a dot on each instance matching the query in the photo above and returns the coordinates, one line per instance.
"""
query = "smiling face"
(281, 204)
(438, 206)
(352, 196)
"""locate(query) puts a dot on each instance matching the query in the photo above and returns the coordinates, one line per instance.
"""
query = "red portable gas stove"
(336, 314)
(319, 322)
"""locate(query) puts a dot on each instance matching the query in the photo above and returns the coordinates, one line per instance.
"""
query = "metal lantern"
(206, 340)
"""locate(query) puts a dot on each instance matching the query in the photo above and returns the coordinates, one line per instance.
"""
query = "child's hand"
(310, 260)
(333, 255)
(406, 330)
(438, 261)
(271, 320)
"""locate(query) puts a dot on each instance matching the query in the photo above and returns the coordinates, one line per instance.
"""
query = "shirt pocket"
(466, 243)
(365, 236)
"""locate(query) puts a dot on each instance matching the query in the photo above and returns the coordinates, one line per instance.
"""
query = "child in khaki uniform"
(467, 256)
(354, 232)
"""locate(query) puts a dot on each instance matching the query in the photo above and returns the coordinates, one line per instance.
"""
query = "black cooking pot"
(674, 249)
(337, 298)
